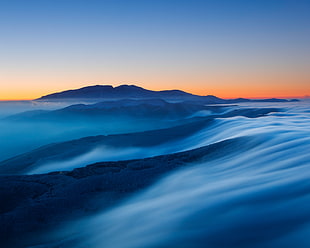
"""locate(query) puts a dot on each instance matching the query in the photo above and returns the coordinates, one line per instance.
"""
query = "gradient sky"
(228, 48)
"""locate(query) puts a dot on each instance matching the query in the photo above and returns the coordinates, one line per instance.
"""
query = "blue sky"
(199, 46)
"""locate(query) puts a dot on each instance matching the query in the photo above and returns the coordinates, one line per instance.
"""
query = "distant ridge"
(125, 92)
(99, 92)
(108, 91)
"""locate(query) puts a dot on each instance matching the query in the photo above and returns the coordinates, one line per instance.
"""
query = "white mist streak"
(258, 198)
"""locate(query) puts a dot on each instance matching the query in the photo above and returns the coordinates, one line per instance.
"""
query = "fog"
(257, 197)
(24, 133)
(17, 137)
(249, 202)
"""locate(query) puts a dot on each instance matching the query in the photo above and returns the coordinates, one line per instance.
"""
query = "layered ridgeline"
(99, 92)
(76, 153)
(29, 130)
(25, 131)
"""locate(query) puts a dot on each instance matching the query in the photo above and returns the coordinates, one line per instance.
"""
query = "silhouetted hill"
(99, 92)
(119, 92)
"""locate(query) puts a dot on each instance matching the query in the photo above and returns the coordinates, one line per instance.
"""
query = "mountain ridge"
(127, 91)
(108, 91)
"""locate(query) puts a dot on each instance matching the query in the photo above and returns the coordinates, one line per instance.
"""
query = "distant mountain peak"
(97, 93)
(119, 92)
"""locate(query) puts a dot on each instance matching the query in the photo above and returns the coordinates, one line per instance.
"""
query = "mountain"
(125, 92)
(110, 92)
(99, 92)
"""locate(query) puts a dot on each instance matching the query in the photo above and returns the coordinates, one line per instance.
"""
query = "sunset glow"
(230, 49)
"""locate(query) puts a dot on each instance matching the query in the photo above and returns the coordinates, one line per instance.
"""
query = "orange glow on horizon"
(224, 86)
(224, 82)
(229, 93)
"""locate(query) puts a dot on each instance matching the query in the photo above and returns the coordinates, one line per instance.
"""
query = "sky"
(227, 48)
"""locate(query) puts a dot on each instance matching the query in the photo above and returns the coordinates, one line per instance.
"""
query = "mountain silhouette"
(125, 92)
(108, 92)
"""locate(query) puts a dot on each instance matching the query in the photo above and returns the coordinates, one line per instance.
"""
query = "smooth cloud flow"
(258, 196)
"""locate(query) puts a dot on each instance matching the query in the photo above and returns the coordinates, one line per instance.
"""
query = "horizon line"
(225, 98)
(305, 96)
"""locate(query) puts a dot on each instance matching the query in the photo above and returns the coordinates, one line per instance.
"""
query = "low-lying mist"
(258, 196)
(26, 133)
(222, 204)
(23, 132)
(242, 182)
